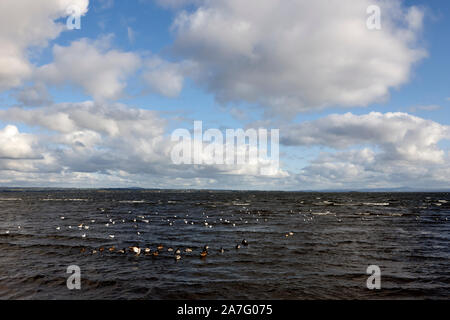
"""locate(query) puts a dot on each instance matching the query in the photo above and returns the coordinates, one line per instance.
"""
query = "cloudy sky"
(95, 107)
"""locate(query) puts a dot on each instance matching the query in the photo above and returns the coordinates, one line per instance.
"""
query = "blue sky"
(368, 110)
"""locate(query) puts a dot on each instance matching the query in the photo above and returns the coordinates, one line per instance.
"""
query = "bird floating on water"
(136, 250)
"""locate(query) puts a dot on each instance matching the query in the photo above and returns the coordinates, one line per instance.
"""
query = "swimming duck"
(188, 250)
(204, 253)
(147, 250)
(156, 253)
(178, 251)
(238, 246)
(136, 250)
(205, 248)
(244, 242)
(83, 250)
(160, 247)
(101, 249)
(112, 249)
(177, 257)
(170, 249)
(222, 250)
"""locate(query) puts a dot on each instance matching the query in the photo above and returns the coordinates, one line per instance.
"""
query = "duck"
(160, 247)
(112, 249)
(188, 250)
(170, 249)
(178, 251)
(136, 250)
(244, 242)
(156, 253)
(83, 250)
(222, 250)
(121, 251)
(101, 249)
(205, 248)
(147, 250)
(238, 246)
(177, 257)
(204, 253)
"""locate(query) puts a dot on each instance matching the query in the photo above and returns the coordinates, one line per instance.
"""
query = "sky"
(356, 107)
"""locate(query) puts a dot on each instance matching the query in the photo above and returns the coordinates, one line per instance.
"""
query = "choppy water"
(335, 237)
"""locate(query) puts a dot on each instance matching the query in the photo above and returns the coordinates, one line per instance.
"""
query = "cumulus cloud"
(373, 150)
(15, 145)
(400, 136)
(163, 77)
(300, 55)
(34, 95)
(92, 65)
(110, 141)
(25, 24)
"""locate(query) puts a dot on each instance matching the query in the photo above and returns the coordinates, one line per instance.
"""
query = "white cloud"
(25, 24)
(163, 77)
(299, 55)
(35, 95)
(374, 150)
(15, 145)
(92, 65)
(400, 136)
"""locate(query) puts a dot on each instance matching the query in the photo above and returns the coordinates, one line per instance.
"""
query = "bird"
(205, 248)
(222, 250)
(147, 250)
(204, 253)
(238, 246)
(112, 249)
(177, 257)
(155, 253)
(101, 249)
(244, 242)
(170, 249)
(178, 251)
(188, 250)
(160, 247)
(136, 250)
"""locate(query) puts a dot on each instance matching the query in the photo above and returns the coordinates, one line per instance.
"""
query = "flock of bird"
(137, 251)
